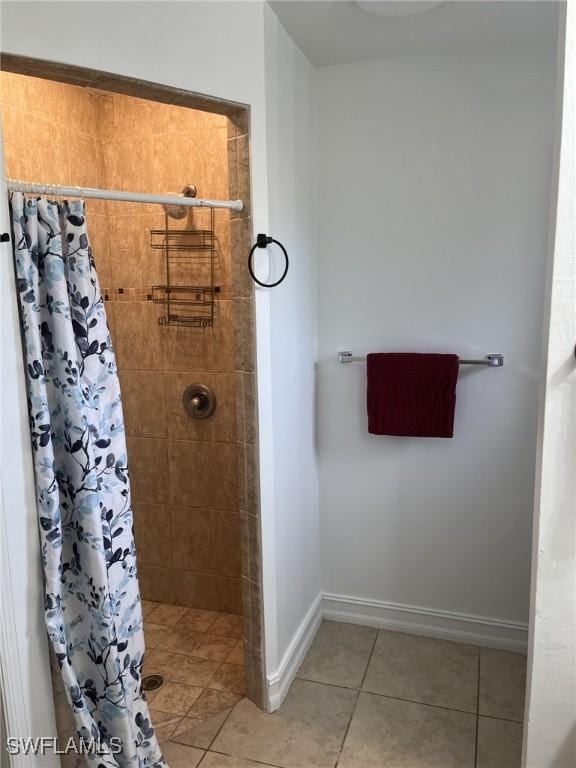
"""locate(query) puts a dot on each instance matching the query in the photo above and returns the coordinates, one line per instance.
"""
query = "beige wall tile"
(82, 109)
(203, 475)
(127, 116)
(156, 583)
(206, 540)
(11, 89)
(250, 534)
(230, 595)
(86, 168)
(202, 349)
(222, 261)
(196, 590)
(51, 167)
(241, 240)
(252, 479)
(256, 684)
(238, 122)
(148, 467)
(143, 403)
(221, 426)
(255, 616)
(244, 174)
(174, 161)
(42, 97)
(152, 534)
(99, 242)
(138, 117)
(127, 166)
(232, 152)
(241, 469)
(245, 337)
(250, 408)
(12, 125)
(136, 264)
(214, 173)
(138, 340)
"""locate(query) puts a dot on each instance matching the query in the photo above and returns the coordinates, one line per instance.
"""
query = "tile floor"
(365, 698)
(201, 658)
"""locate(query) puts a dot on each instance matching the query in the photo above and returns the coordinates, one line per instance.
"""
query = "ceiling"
(341, 32)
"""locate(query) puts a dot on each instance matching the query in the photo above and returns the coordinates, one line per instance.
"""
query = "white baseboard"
(415, 620)
(280, 682)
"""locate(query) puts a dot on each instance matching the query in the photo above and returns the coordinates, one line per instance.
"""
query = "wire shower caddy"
(189, 254)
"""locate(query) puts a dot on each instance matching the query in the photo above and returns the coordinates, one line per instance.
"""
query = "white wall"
(217, 48)
(434, 175)
(551, 696)
(293, 332)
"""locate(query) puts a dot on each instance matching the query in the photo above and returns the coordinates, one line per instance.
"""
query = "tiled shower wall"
(184, 473)
(51, 135)
(246, 391)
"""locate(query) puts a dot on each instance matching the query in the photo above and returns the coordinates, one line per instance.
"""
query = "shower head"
(180, 211)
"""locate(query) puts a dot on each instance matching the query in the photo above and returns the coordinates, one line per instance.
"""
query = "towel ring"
(262, 241)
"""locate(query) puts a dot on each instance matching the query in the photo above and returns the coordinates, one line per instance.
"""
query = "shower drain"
(152, 682)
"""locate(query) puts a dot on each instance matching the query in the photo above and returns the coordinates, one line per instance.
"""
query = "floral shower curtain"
(92, 600)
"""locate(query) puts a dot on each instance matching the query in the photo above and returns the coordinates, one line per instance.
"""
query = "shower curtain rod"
(121, 196)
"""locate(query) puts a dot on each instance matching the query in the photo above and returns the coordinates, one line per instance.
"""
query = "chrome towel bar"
(492, 361)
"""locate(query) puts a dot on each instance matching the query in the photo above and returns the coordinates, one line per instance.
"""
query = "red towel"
(411, 395)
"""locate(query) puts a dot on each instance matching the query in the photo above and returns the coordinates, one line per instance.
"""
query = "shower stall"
(180, 312)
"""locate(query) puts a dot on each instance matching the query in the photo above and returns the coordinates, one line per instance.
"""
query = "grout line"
(173, 738)
(341, 748)
(376, 636)
(222, 726)
(353, 712)
(399, 698)
(239, 577)
(182, 439)
(258, 762)
(477, 711)
(503, 719)
(357, 699)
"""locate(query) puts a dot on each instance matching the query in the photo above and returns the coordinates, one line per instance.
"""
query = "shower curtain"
(92, 601)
